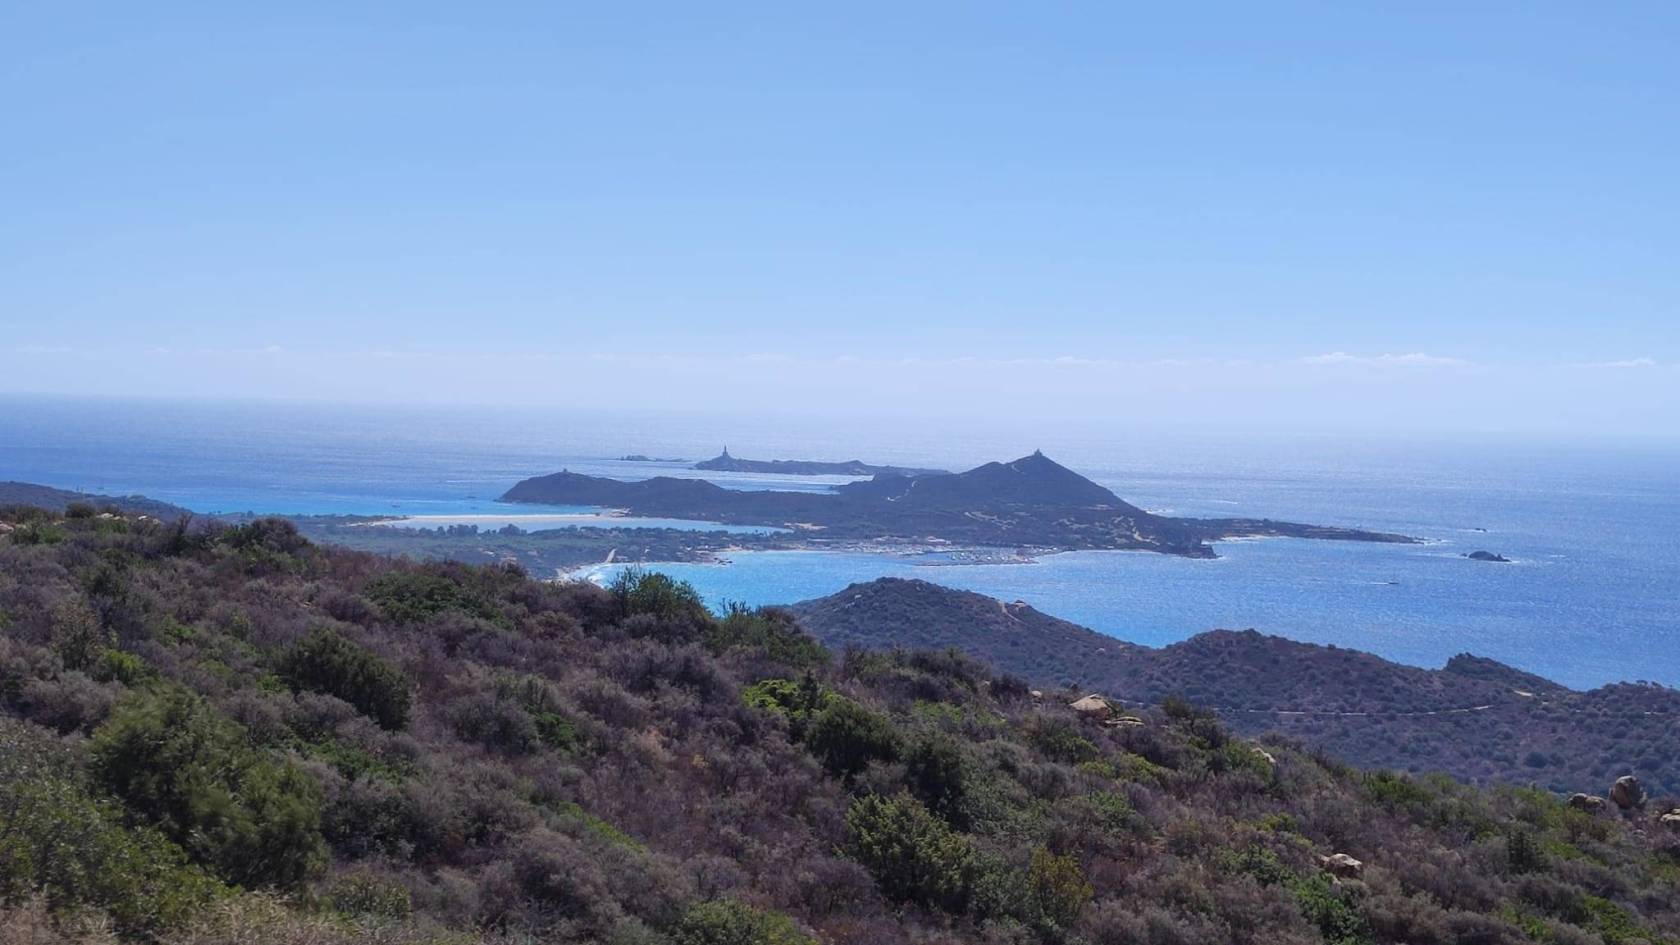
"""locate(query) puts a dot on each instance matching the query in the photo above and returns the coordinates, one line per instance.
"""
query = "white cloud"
(1628, 363)
(1412, 359)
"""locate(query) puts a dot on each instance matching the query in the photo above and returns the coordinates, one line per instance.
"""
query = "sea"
(1591, 596)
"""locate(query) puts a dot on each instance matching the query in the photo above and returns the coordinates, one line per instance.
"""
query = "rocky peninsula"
(1032, 502)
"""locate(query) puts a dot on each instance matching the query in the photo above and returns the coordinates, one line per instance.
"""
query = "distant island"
(723, 462)
(1031, 503)
(640, 458)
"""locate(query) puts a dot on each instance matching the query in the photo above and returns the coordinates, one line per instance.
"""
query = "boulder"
(1627, 792)
(1671, 820)
(1092, 705)
(1037, 694)
(1342, 866)
(1590, 803)
(1124, 721)
(1265, 756)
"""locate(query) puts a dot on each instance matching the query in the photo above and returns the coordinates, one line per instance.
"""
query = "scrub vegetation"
(213, 734)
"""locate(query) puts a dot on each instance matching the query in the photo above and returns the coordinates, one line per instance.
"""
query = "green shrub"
(1112, 812)
(573, 812)
(1257, 861)
(846, 737)
(126, 668)
(798, 701)
(78, 637)
(1202, 725)
(773, 633)
(356, 763)
(1611, 921)
(1331, 911)
(656, 594)
(327, 662)
(538, 698)
(1130, 767)
(1396, 791)
(413, 596)
(58, 841)
(192, 773)
(37, 533)
(914, 856)
(364, 893)
(268, 545)
(938, 777)
(558, 732)
(1523, 852)
(1059, 888)
(728, 922)
(1058, 741)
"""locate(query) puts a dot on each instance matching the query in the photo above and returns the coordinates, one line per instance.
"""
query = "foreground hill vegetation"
(1475, 719)
(230, 734)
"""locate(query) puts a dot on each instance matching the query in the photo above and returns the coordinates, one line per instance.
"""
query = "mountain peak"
(1033, 480)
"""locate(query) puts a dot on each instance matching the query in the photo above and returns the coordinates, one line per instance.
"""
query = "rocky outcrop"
(1487, 556)
(1588, 803)
(1342, 866)
(1671, 820)
(1627, 792)
(1093, 706)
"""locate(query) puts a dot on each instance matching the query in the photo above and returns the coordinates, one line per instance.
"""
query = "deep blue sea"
(1593, 595)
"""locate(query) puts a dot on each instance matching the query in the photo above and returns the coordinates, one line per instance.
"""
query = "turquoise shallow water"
(1593, 595)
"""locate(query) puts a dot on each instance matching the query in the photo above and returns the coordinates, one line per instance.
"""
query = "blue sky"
(1296, 213)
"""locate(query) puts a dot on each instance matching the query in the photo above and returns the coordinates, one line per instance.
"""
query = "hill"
(228, 734)
(1013, 637)
(1034, 481)
(1032, 502)
(57, 500)
(1475, 718)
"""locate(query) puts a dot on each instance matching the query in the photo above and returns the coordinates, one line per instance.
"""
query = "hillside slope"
(57, 500)
(228, 734)
(1475, 718)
